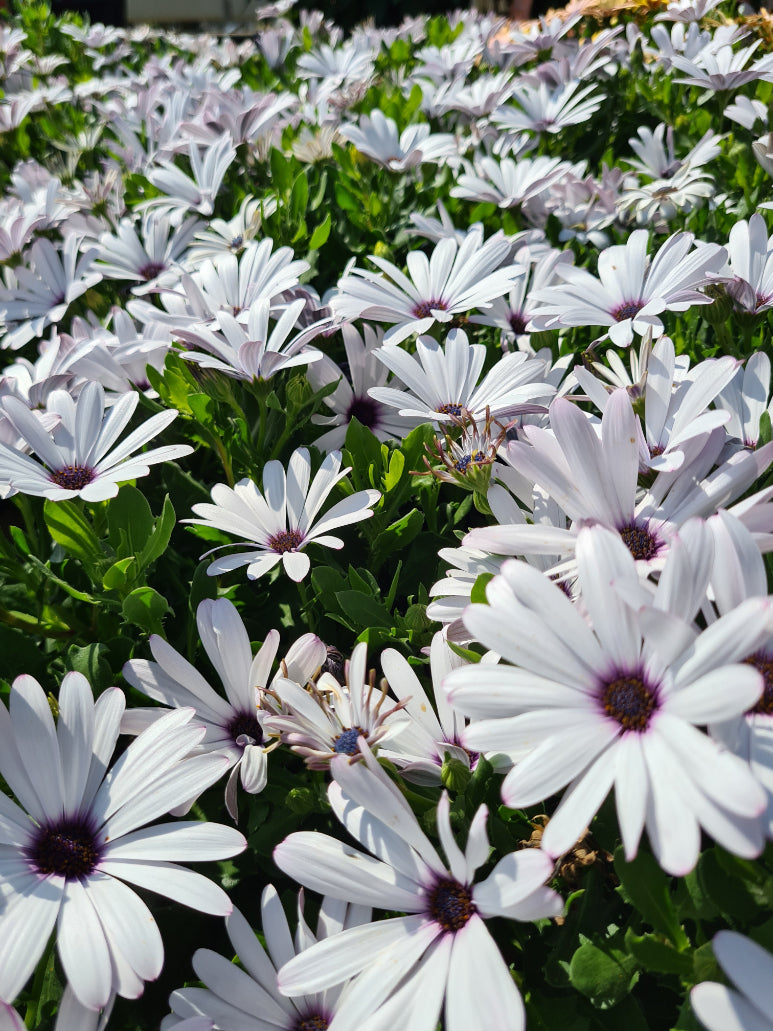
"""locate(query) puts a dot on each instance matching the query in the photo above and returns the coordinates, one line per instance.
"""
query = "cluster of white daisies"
(626, 639)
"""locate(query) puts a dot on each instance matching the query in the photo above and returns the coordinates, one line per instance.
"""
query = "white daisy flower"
(408, 965)
(619, 705)
(278, 524)
(377, 137)
(78, 832)
(80, 456)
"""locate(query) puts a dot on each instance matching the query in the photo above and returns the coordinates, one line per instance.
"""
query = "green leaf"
(320, 235)
(397, 535)
(91, 661)
(121, 573)
(280, 170)
(345, 199)
(299, 198)
(604, 974)
(145, 608)
(656, 955)
(129, 521)
(156, 544)
(362, 611)
(478, 593)
(648, 888)
(203, 408)
(395, 471)
(69, 527)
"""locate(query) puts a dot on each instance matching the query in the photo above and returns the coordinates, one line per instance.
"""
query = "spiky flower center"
(312, 1022)
(764, 664)
(72, 477)
(476, 458)
(67, 848)
(450, 408)
(450, 905)
(246, 724)
(346, 742)
(365, 411)
(630, 700)
(424, 309)
(627, 310)
(640, 542)
(285, 540)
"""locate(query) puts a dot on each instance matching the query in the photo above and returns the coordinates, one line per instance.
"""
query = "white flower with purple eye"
(619, 705)
(277, 525)
(247, 997)
(80, 456)
(408, 965)
(235, 723)
(79, 832)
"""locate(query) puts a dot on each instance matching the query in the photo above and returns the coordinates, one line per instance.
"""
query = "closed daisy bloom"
(619, 705)
(77, 832)
(278, 524)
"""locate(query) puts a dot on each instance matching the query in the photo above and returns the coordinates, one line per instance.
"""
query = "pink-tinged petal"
(369, 787)
(335, 959)
(718, 695)
(513, 880)
(14, 770)
(112, 426)
(481, 991)
(108, 711)
(26, 924)
(187, 780)
(83, 947)
(580, 804)
(253, 769)
(621, 449)
(453, 853)
(332, 868)
(380, 839)
(35, 732)
(733, 637)
(603, 560)
(297, 564)
(555, 762)
(748, 965)
(194, 841)
(128, 924)
(75, 733)
(584, 453)
(719, 1008)
(29, 427)
(350, 510)
(253, 956)
(256, 568)
(279, 940)
(477, 849)
(673, 830)
(631, 792)
(149, 429)
(10, 1019)
(246, 997)
(89, 410)
(175, 882)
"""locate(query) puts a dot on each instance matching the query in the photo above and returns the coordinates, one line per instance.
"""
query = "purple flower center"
(346, 743)
(312, 1022)
(518, 322)
(236, 244)
(627, 310)
(640, 542)
(450, 408)
(285, 540)
(764, 664)
(152, 269)
(334, 664)
(365, 411)
(72, 477)
(450, 904)
(246, 723)
(67, 848)
(630, 700)
(424, 309)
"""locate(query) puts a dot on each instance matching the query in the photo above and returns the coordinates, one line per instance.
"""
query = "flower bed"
(385, 503)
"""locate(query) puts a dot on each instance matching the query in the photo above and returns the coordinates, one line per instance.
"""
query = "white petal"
(481, 991)
(83, 948)
(175, 882)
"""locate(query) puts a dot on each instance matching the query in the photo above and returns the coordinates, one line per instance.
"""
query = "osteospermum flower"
(235, 723)
(330, 718)
(246, 997)
(619, 705)
(80, 456)
(77, 832)
(278, 524)
(457, 277)
(408, 965)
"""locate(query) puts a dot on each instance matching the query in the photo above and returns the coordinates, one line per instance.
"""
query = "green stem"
(32, 626)
(32, 1016)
